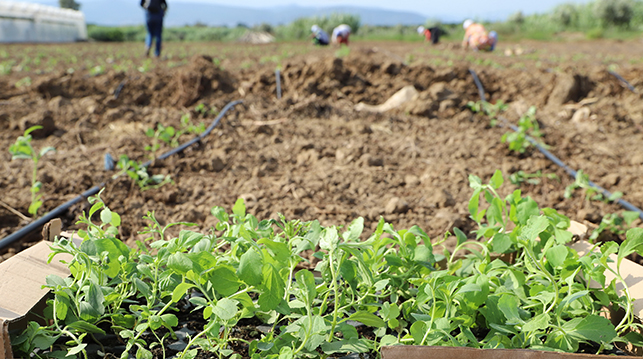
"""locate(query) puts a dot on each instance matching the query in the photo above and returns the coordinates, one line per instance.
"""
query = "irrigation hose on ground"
(56, 212)
(625, 204)
(278, 77)
(623, 81)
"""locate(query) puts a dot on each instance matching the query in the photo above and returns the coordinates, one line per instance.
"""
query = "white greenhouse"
(25, 22)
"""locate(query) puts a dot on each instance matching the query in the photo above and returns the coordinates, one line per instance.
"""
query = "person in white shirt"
(341, 34)
(320, 37)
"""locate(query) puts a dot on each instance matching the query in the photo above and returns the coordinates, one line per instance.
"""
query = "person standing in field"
(341, 34)
(154, 13)
(477, 38)
(320, 37)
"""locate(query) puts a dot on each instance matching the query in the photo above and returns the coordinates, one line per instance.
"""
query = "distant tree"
(516, 18)
(614, 12)
(565, 14)
(244, 25)
(69, 4)
(264, 27)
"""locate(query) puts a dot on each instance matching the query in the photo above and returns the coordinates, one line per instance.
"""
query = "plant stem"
(333, 274)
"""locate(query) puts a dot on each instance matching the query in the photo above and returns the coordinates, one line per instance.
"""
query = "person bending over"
(477, 38)
(431, 34)
(320, 37)
(154, 13)
(341, 34)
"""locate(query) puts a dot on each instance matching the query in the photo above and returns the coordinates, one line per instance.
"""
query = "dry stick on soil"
(269, 122)
(14, 211)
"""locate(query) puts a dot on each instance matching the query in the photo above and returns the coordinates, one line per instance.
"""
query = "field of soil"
(311, 154)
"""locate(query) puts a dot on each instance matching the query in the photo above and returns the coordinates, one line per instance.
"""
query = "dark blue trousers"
(154, 22)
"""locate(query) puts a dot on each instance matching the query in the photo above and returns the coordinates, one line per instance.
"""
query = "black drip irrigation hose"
(624, 81)
(625, 204)
(15, 236)
(478, 85)
(118, 90)
(278, 76)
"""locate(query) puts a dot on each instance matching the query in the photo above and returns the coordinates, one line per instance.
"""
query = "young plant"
(22, 149)
(591, 193)
(343, 51)
(161, 134)
(519, 140)
(139, 174)
(615, 223)
(489, 109)
(187, 127)
(520, 177)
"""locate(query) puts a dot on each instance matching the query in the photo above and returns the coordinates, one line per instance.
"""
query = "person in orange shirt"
(477, 38)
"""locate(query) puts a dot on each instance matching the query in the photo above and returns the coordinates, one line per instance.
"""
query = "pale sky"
(484, 10)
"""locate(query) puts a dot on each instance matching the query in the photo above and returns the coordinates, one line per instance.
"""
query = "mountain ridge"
(121, 13)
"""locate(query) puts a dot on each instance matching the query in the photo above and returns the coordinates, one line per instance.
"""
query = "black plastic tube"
(118, 90)
(278, 76)
(624, 81)
(478, 85)
(15, 236)
(625, 204)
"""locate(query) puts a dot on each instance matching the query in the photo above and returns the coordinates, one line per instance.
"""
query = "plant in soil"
(170, 136)
(327, 291)
(22, 149)
(520, 177)
(492, 110)
(519, 141)
(138, 173)
(158, 136)
(591, 193)
(614, 223)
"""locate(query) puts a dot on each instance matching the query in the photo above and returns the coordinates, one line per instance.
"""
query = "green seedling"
(521, 177)
(343, 51)
(591, 193)
(170, 136)
(187, 127)
(615, 223)
(22, 149)
(490, 109)
(161, 134)
(97, 70)
(25, 81)
(527, 127)
(139, 174)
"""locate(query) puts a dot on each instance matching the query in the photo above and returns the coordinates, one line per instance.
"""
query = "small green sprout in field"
(187, 127)
(615, 223)
(23, 149)
(170, 136)
(146, 66)
(493, 110)
(139, 174)
(25, 81)
(343, 51)
(6, 67)
(202, 109)
(520, 177)
(161, 134)
(97, 70)
(591, 193)
(527, 126)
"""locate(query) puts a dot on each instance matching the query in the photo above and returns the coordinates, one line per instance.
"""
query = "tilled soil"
(311, 154)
